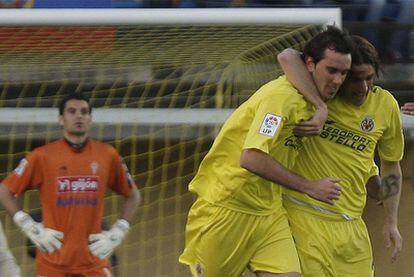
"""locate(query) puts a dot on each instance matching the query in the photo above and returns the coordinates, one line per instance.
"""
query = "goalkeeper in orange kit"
(72, 175)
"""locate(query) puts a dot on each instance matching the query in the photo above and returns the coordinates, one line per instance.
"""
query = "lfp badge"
(270, 124)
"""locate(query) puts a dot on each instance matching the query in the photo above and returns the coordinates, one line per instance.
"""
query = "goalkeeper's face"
(330, 72)
(76, 118)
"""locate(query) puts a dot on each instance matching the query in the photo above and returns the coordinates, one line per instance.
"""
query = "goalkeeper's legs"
(8, 265)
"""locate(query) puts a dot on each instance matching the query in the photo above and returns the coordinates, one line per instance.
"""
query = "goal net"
(161, 84)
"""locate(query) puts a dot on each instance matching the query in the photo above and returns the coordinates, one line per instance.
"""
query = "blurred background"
(160, 94)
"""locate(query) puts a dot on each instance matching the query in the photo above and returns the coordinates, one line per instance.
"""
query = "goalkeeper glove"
(47, 240)
(103, 244)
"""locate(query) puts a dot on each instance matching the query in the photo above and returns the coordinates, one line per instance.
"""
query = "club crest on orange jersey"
(94, 167)
(270, 124)
(367, 124)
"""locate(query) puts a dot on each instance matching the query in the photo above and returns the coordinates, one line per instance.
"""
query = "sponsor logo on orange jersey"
(77, 183)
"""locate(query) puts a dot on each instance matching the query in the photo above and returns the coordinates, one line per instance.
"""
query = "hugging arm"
(296, 72)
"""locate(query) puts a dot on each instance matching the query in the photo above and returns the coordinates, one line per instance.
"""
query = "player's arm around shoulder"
(265, 166)
(294, 67)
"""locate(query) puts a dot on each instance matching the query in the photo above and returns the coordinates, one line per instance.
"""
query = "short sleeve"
(121, 180)
(391, 144)
(27, 175)
(270, 115)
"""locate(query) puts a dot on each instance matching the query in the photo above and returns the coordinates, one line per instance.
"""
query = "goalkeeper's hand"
(102, 245)
(46, 239)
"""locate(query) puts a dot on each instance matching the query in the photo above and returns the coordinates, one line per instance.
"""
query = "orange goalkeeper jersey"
(72, 185)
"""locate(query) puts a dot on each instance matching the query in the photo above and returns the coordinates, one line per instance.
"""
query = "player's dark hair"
(364, 53)
(73, 96)
(332, 38)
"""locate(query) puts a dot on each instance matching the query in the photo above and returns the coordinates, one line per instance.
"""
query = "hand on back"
(326, 190)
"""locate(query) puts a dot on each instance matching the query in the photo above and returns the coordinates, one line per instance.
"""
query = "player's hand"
(102, 245)
(46, 239)
(326, 190)
(312, 127)
(392, 238)
(408, 108)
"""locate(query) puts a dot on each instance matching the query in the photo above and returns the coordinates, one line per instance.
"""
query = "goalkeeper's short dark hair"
(73, 96)
(331, 38)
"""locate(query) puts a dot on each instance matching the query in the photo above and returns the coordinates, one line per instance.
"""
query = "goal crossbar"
(88, 17)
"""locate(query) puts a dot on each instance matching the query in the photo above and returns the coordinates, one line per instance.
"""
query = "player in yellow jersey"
(332, 240)
(238, 221)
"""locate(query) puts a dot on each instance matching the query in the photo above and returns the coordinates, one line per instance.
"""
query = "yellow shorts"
(223, 242)
(330, 246)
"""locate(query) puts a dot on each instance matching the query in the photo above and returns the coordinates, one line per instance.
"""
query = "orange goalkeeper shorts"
(43, 270)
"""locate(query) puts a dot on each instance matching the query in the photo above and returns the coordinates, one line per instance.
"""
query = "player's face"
(330, 72)
(76, 118)
(358, 84)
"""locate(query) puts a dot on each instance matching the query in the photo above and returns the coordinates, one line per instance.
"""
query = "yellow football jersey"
(263, 122)
(345, 148)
